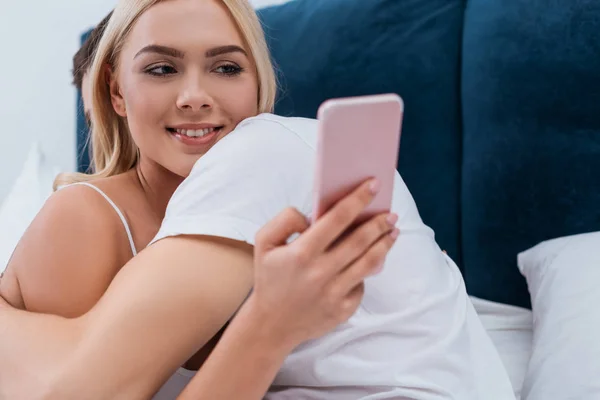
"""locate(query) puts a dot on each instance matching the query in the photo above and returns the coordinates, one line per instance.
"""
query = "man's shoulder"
(268, 151)
(281, 129)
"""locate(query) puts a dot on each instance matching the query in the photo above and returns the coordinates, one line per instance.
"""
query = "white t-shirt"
(416, 334)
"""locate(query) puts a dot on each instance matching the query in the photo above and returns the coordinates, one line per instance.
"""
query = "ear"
(117, 100)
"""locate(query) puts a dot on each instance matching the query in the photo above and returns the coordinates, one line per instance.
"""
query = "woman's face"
(184, 80)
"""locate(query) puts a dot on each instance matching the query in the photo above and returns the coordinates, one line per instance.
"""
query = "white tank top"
(175, 385)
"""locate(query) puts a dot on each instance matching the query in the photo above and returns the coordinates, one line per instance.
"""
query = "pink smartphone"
(359, 138)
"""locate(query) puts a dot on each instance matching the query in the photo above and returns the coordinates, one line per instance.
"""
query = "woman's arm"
(62, 265)
(244, 362)
(163, 306)
(68, 256)
(31, 346)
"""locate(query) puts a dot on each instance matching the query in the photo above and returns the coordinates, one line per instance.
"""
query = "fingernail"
(375, 186)
(395, 233)
(392, 219)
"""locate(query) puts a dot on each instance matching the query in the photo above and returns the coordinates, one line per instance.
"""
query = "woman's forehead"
(185, 24)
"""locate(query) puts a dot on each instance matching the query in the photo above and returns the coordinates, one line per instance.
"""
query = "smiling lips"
(195, 135)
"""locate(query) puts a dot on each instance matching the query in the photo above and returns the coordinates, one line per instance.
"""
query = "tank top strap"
(117, 210)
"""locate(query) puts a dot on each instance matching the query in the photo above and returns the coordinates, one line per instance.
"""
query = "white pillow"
(563, 276)
(27, 196)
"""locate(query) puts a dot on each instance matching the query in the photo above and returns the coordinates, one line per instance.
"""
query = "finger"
(277, 231)
(330, 226)
(369, 263)
(355, 245)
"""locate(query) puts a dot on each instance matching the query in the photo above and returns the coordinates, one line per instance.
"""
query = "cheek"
(146, 107)
(145, 100)
(239, 101)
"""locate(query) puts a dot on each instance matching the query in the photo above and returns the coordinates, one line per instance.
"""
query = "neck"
(157, 183)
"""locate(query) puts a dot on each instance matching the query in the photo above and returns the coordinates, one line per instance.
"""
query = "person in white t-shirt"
(183, 89)
(415, 334)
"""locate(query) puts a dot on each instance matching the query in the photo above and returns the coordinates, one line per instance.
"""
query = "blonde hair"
(113, 149)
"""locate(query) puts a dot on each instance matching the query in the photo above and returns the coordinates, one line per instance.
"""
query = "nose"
(194, 97)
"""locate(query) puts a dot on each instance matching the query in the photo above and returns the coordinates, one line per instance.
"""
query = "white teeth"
(195, 133)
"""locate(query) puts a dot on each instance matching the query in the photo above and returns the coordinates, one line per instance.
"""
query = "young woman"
(180, 86)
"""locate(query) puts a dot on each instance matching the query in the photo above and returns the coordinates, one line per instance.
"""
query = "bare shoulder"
(70, 253)
(77, 210)
(76, 204)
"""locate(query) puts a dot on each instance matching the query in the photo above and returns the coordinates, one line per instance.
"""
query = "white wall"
(37, 101)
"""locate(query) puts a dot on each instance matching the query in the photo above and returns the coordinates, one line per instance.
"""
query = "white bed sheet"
(511, 331)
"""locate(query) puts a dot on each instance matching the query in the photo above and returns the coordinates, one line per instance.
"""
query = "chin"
(184, 170)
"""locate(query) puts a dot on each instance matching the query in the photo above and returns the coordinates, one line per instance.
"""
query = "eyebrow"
(172, 52)
(158, 49)
(217, 51)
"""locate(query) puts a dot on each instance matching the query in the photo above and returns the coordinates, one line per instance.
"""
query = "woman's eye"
(229, 69)
(161, 70)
